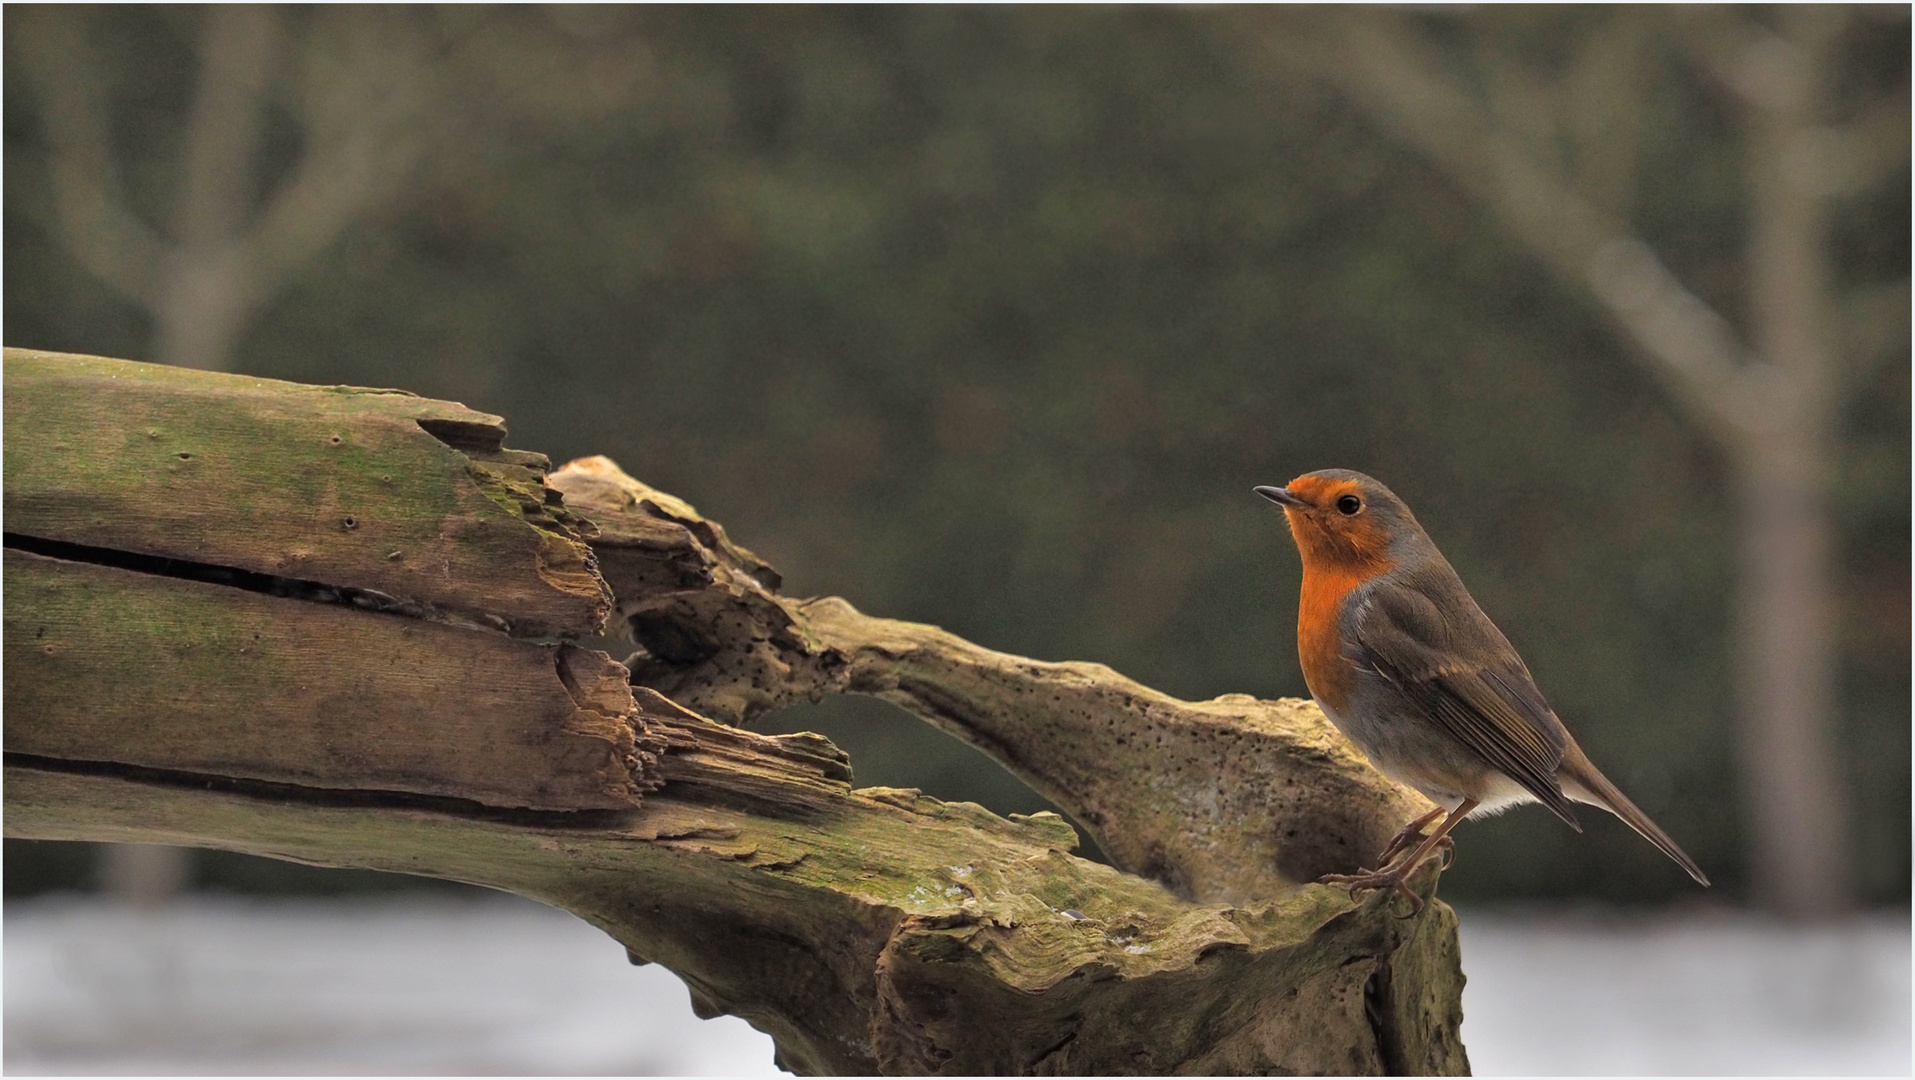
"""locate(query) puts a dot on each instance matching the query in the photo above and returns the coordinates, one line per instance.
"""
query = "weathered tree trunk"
(313, 623)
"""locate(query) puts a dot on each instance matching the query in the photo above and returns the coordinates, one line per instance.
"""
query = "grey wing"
(1463, 675)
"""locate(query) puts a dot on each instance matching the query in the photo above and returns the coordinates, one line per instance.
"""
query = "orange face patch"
(1326, 535)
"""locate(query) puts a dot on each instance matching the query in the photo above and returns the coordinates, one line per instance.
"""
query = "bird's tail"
(1577, 772)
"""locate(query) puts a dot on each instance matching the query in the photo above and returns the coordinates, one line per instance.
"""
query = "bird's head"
(1344, 518)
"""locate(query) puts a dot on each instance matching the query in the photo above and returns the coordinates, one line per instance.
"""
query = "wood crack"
(289, 588)
(176, 697)
(273, 791)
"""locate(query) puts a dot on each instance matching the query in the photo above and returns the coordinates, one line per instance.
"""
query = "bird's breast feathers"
(1326, 668)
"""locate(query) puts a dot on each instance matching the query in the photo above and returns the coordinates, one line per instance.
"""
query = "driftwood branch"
(1226, 801)
(294, 621)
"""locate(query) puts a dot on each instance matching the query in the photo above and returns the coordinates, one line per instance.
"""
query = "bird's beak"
(1280, 496)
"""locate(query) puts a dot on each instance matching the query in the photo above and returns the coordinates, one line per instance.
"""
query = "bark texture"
(168, 683)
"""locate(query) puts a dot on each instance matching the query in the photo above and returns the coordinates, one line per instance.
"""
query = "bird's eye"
(1349, 504)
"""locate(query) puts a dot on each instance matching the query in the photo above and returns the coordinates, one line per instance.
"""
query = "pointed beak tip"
(1280, 496)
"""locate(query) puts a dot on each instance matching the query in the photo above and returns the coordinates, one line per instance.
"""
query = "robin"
(1406, 665)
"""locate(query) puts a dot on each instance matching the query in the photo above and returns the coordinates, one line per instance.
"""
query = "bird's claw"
(1403, 842)
(1407, 839)
(1374, 881)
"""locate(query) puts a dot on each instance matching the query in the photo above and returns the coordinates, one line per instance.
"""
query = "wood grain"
(373, 489)
(108, 665)
(380, 719)
(1225, 801)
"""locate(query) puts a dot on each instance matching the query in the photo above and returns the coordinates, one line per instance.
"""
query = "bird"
(1403, 661)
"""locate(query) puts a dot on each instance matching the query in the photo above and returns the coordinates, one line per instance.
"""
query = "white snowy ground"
(496, 985)
(501, 985)
(1568, 994)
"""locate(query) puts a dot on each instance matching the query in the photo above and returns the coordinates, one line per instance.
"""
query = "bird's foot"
(1377, 880)
(1394, 877)
(1420, 847)
(1408, 837)
(1406, 841)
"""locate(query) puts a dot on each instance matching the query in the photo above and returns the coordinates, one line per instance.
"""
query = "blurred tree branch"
(1379, 60)
(103, 233)
(1770, 402)
(358, 90)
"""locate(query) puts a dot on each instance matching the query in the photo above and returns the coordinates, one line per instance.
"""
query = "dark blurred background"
(991, 318)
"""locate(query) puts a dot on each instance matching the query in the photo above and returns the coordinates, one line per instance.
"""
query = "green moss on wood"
(871, 937)
(110, 665)
(865, 929)
(346, 489)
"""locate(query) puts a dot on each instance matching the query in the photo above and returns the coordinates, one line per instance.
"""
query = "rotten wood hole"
(317, 623)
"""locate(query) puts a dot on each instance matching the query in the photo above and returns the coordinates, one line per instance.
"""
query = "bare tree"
(1554, 156)
(355, 82)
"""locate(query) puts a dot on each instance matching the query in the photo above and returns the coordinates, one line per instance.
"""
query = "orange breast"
(1339, 553)
(1319, 649)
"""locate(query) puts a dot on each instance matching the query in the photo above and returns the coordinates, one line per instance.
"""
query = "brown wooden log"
(330, 720)
(1225, 801)
(153, 672)
(398, 495)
